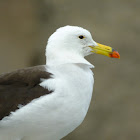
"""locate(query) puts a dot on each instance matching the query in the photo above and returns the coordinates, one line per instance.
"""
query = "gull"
(48, 102)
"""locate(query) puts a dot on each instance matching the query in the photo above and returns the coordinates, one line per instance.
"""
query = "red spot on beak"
(114, 54)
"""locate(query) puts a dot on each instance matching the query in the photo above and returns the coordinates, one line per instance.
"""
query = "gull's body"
(63, 110)
(68, 90)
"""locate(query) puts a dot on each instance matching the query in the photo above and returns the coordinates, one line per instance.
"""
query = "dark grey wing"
(21, 87)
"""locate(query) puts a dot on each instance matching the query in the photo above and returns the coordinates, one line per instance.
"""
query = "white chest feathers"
(73, 86)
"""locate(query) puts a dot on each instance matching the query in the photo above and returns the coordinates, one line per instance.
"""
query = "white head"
(70, 44)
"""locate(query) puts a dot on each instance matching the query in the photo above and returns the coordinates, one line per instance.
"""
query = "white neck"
(65, 58)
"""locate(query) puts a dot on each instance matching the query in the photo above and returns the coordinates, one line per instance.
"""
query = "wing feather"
(21, 87)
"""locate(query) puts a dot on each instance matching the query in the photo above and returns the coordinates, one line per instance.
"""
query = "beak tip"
(115, 54)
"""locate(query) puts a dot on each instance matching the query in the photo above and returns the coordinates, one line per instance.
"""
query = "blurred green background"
(25, 26)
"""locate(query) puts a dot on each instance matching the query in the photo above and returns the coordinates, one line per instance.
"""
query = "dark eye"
(81, 36)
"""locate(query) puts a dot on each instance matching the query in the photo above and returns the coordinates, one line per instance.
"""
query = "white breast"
(57, 114)
(73, 91)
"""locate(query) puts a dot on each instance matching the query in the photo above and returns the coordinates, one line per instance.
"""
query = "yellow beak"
(105, 50)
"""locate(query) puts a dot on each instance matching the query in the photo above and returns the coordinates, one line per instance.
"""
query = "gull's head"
(70, 44)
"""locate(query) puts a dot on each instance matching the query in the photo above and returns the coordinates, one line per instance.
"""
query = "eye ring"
(81, 37)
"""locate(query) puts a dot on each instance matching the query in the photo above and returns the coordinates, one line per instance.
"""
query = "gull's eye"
(81, 36)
